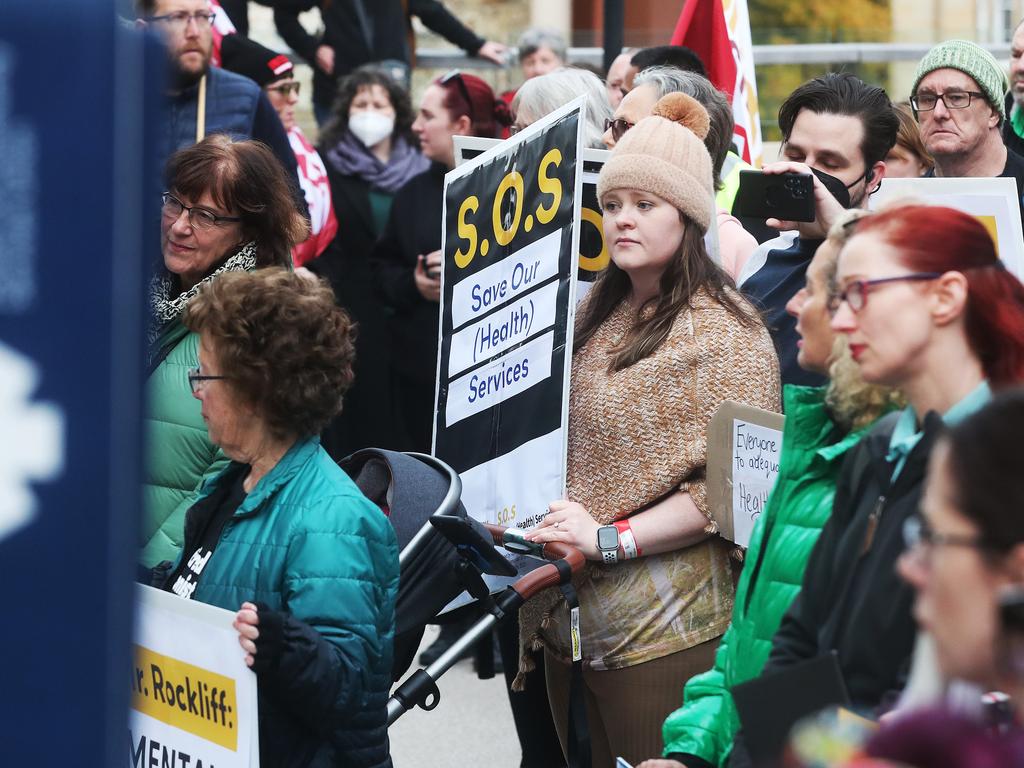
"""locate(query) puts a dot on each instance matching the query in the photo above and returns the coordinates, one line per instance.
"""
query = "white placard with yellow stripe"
(193, 699)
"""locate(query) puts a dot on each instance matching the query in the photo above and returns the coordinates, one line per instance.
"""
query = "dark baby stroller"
(445, 552)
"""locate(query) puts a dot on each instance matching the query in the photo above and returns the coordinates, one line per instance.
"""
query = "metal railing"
(808, 53)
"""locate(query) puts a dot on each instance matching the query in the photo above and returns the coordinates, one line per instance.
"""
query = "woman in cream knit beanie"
(662, 340)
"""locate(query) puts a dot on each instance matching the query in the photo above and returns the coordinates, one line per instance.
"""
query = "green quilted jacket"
(179, 454)
(781, 543)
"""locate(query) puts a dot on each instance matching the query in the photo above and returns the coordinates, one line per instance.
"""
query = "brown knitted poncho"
(636, 435)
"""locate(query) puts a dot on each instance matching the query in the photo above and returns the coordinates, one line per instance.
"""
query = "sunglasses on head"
(455, 76)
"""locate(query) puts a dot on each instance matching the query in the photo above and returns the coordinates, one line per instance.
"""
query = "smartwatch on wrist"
(608, 543)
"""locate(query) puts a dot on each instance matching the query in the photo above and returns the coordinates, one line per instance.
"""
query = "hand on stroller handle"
(546, 576)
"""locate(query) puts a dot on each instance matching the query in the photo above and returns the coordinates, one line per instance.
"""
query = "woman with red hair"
(929, 309)
(944, 298)
(407, 258)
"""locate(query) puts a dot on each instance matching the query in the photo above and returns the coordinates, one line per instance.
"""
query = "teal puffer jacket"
(306, 543)
(781, 542)
(179, 454)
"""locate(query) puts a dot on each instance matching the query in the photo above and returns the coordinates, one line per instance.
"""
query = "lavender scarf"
(351, 158)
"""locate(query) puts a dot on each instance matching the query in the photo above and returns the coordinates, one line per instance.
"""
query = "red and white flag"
(317, 191)
(719, 32)
(221, 26)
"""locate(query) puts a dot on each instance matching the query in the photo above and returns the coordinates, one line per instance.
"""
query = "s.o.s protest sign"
(507, 305)
(593, 252)
(193, 699)
(594, 256)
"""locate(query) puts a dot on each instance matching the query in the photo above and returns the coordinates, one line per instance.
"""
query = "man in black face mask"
(234, 104)
(840, 129)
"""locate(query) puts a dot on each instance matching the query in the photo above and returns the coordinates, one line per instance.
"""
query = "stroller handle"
(547, 575)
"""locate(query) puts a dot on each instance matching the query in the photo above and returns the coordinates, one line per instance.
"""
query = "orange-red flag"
(719, 32)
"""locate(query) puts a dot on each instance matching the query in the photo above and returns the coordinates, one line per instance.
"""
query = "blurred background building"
(817, 35)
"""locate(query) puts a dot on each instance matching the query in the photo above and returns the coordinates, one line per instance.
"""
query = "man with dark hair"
(231, 104)
(678, 56)
(664, 55)
(839, 129)
(958, 97)
(358, 32)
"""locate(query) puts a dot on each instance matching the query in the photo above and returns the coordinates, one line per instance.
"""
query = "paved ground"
(472, 726)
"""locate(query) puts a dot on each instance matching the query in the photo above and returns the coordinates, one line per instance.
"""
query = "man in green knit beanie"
(958, 97)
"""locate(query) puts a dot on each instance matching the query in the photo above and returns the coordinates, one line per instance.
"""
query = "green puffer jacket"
(306, 543)
(781, 542)
(180, 456)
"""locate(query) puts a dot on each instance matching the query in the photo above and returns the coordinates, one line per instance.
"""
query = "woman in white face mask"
(370, 153)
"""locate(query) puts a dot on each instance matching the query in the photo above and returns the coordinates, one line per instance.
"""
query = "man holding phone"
(837, 129)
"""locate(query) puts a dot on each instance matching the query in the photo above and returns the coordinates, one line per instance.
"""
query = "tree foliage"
(779, 22)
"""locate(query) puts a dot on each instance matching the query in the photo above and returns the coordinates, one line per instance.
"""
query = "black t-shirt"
(203, 526)
(1014, 169)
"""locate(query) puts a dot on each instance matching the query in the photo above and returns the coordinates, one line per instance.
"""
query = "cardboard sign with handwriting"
(744, 449)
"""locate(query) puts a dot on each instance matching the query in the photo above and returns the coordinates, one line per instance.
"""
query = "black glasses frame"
(195, 378)
(285, 88)
(455, 76)
(213, 219)
(917, 533)
(915, 100)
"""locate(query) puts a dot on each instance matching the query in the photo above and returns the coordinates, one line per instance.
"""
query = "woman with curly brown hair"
(282, 535)
(228, 207)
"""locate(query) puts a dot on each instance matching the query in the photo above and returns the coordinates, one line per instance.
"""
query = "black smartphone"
(786, 196)
(474, 543)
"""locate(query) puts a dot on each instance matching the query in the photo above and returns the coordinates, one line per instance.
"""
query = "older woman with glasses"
(927, 308)
(228, 207)
(282, 536)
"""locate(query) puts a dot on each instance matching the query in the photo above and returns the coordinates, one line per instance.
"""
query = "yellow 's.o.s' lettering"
(506, 515)
(513, 180)
(467, 232)
(549, 185)
(599, 262)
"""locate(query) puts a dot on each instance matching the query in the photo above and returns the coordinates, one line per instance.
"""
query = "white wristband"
(628, 543)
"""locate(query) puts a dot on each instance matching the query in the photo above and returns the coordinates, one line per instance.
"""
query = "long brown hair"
(689, 272)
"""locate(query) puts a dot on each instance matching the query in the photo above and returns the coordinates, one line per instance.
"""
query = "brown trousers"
(626, 707)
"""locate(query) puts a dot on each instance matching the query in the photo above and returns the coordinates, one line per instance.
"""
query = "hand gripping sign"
(193, 699)
(510, 239)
